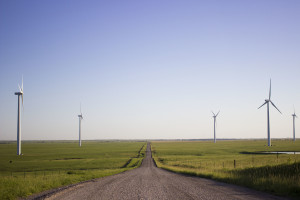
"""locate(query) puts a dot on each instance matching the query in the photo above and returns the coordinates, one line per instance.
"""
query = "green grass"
(47, 165)
(277, 174)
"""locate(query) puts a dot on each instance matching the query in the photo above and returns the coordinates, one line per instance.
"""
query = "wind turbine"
(215, 120)
(294, 115)
(80, 118)
(20, 95)
(267, 101)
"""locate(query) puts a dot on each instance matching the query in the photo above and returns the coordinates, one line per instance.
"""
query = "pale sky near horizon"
(149, 69)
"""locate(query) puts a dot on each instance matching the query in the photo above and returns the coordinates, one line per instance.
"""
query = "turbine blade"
(270, 90)
(22, 102)
(217, 113)
(22, 95)
(213, 113)
(294, 110)
(19, 88)
(275, 106)
(262, 105)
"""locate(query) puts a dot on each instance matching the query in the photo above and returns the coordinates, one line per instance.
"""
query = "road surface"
(150, 182)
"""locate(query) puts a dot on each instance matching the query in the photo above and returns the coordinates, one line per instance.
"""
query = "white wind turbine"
(215, 120)
(80, 118)
(294, 115)
(267, 101)
(20, 95)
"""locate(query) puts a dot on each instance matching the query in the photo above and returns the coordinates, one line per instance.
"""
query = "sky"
(149, 69)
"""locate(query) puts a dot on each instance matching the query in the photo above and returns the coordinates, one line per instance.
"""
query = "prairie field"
(48, 165)
(242, 162)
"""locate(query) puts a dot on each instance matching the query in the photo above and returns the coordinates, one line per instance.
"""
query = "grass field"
(239, 162)
(47, 165)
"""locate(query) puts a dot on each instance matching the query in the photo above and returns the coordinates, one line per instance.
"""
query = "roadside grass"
(239, 162)
(48, 165)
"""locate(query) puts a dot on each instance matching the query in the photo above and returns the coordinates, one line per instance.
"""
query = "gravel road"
(150, 182)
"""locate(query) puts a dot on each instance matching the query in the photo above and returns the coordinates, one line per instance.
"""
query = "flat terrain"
(150, 182)
(46, 165)
(241, 162)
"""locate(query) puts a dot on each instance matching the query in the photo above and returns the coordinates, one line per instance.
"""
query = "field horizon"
(142, 140)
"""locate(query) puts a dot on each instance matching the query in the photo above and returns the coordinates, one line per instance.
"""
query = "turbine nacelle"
(80, 116)
(267, 101)
(294, 115)
(20, 91)
(215, 115)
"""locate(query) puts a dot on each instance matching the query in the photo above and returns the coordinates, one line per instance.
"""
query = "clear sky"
(149, 69)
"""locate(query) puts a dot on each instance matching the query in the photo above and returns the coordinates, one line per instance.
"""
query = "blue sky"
(149, 69)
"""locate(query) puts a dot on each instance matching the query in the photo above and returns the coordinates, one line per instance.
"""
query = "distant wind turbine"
(215, 120)
(294, 115)
(20, 94)
(80, 118)
(267, 101)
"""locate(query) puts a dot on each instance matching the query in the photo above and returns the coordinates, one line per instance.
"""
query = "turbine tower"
(20, 95)
(215, 120)
(267, 101)
(80, 118)
(294, 115)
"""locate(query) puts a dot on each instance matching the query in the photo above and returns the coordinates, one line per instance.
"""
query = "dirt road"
(150, 182)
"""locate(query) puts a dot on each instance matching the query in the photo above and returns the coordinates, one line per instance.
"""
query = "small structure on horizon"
(215, 121)
(80, 118)
(294, 115)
